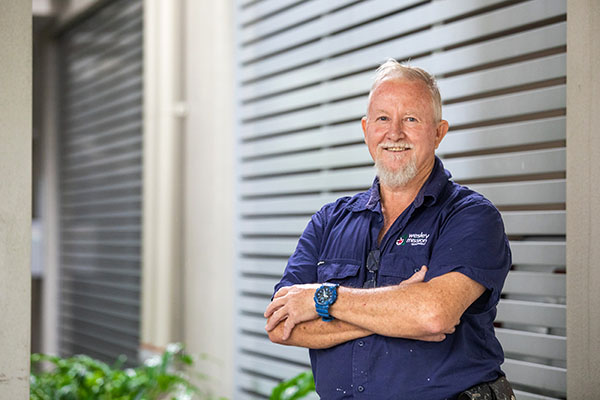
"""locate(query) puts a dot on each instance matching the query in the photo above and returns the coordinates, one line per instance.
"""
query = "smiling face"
(401, 132)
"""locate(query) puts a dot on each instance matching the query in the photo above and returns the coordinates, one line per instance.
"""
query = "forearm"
(316, 334)
(413, 311)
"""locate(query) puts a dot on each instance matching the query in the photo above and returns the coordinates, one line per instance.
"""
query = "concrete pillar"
(15, 197)
(209, 188)
(583, 199)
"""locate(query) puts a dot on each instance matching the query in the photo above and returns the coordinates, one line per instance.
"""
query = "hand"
(417, 277)
(292, 304)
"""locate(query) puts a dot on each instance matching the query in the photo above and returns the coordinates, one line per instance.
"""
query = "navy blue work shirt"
(448, 228)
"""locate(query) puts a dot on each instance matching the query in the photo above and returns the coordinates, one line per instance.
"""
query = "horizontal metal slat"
(262, 286)
(262, 266)
(536, 375)
(253, 304)
(134, 110)
(117, 160)
(511, 105)
(102, 43)
(131, 66)
(251, 324)
(521, 395)
(318, 21)
(346, 133)
(77, 179)
(78, 40)
(504, 135)
(550, 253)
(97, 298)
(551, 191)
(535, 222)
(97, 111)
(102, 137)
(256, 384)
(506, 76)
(509, 164)
(533, 344)
(356, 178)
(326, 113)
(532, 313)
(266, 347)
(417, 43)
(268, 367)
(347, 156)
(439, 63)
(106, 94)
(263, 9)
(85, 69)
(535, 284)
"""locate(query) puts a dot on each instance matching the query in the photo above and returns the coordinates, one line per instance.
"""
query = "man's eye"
(411, 119)
(382, 118)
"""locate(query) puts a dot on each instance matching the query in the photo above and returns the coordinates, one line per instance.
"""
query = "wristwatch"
(325, 296)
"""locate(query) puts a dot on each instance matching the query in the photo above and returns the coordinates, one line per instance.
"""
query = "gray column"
(15, 197)
(583, 199)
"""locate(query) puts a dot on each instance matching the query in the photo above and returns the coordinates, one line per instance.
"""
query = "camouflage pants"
(499, 389)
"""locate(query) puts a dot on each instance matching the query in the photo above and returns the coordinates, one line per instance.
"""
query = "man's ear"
(440, 132)
(363, 123)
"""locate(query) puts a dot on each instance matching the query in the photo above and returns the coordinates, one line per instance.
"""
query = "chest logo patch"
(414, 239)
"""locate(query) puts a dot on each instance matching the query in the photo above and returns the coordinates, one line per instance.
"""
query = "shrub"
(81, 377)
(298, 387)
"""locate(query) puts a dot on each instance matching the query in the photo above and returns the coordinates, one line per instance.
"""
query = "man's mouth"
(397, 147)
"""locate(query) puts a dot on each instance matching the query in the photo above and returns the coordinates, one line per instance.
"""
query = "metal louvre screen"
(304, 71)
(101, 175)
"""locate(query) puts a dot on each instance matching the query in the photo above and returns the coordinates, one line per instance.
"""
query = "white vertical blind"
(304, 71)
(100, 182)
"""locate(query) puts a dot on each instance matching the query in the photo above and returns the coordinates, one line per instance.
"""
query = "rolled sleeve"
(473, 242)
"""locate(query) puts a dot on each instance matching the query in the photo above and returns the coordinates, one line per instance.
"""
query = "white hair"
(392, 69)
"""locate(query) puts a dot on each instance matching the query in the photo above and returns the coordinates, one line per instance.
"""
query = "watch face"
(324, 295)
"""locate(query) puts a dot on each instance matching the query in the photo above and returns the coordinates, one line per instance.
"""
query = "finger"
(274, 320)
(272, 307)
(281, 292)
(417, 276)
(288, 326)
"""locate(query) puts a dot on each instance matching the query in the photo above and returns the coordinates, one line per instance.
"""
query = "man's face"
(401, 132)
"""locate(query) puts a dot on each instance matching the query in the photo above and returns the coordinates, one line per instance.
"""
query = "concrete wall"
(15, 197)
(583, 199)
(209, 182)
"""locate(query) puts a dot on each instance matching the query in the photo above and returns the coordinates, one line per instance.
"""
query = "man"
(394, 290)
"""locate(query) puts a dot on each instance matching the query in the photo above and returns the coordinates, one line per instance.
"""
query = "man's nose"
(396, 131)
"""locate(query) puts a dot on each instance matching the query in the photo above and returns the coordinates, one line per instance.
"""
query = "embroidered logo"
(414, 239)
(401, 240)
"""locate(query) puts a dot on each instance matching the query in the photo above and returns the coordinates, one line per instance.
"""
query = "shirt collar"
(428, 195)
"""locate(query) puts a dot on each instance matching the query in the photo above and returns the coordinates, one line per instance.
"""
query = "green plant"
(296, 388)
(82, 377)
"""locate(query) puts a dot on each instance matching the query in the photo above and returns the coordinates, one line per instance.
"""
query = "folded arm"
(413, 309)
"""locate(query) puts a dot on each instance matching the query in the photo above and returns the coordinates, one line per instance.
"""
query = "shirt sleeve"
(302, 265)
(472, 241)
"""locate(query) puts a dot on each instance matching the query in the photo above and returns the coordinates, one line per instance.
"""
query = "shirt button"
(416, 270)
(360, 388)
(361, 343)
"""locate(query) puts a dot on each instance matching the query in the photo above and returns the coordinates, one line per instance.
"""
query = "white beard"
(397, 178)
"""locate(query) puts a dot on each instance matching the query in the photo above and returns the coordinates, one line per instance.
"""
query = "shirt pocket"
(345, 274)
(396, 268)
